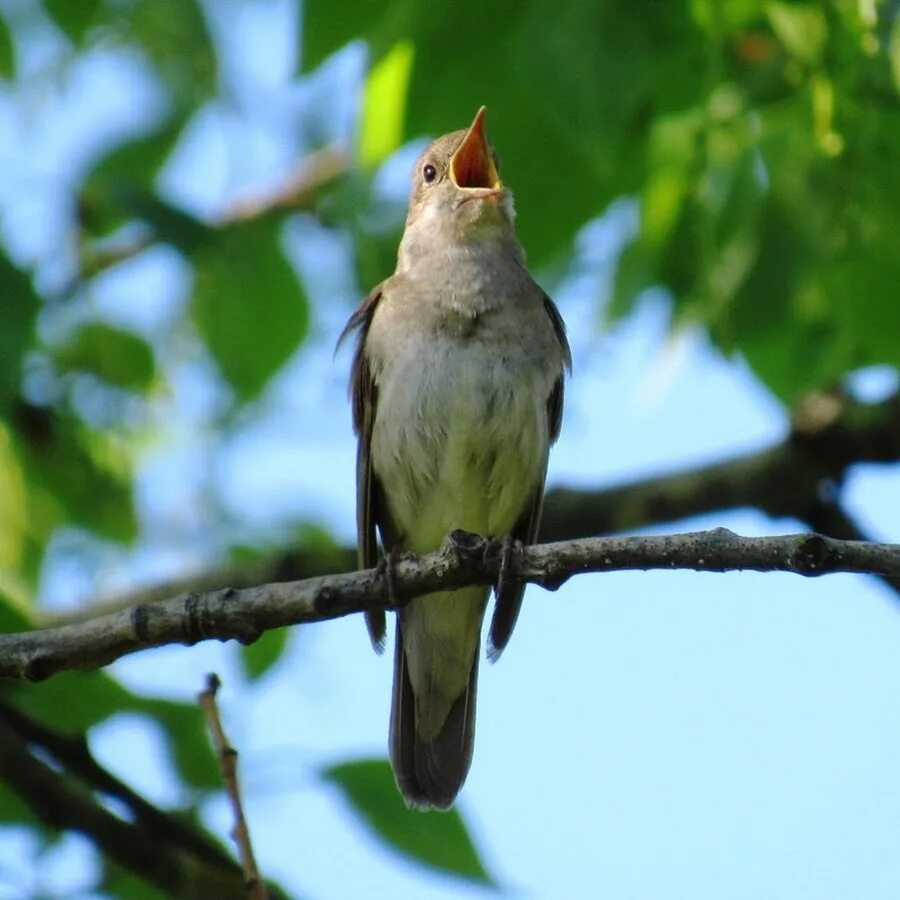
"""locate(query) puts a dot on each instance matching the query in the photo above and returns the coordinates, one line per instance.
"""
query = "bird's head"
(457, 194)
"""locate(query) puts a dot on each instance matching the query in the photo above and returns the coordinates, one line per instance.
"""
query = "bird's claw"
(386, 569)
(511, 550)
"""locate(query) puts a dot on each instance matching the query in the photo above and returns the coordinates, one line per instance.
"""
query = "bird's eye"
(429, 172)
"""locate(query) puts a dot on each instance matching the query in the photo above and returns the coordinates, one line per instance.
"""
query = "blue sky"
(645, 735)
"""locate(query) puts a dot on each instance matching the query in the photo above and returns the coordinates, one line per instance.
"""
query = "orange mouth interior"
(472, 165)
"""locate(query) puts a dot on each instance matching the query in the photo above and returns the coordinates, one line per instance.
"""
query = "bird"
(457, 386)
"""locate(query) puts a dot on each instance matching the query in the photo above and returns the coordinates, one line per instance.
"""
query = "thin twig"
(244, 615)
(255, 886)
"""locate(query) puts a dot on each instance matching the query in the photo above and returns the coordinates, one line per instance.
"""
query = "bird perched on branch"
(457, 391)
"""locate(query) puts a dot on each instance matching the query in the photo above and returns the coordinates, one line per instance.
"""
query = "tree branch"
(60, 804)
(160, 847)
(465, 559)
(253, 885)
(299, 192)
(72, 753)
(829, 434)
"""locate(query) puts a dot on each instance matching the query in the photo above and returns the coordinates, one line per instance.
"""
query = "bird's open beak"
(472, 166)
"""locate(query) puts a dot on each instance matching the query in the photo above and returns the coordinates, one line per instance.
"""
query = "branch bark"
(254, 886)
(829, 433)
(465, 559)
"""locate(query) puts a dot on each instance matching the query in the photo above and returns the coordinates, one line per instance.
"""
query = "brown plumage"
(457, 389)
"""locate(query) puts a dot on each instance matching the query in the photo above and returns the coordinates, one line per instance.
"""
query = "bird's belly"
(463, 446)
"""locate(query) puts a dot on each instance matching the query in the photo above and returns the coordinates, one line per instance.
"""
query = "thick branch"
(244, 615)
(828, 435)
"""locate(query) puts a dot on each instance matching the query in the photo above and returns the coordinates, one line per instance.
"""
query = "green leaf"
(189, 745)
(328, 26)
(569, 144)
(437, 839)
(248, 304)
(7, 52)
(173, 34)
(74, 476)
(74, 701)
(12, 617)
(801, 28)
(18, 311)
(14, 811)
(117, 357)
(51, 701)
(894, 52)
(257, 658)
(108, 193)
(124, 885)
(73, 17)
(384, 105)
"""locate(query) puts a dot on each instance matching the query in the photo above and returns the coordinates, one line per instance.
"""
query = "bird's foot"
(386, 570)
(511, 552)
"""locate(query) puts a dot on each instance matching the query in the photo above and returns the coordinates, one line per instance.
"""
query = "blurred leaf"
(894, 51)
(13, 519)
(118, 357)
(7, 52)
(12, 617)
(636, 271)
(123, 885)
(248, 304)
(383, 109)
(185, 728)
(74, 701)
(72, 477)
(567, 142)
(17, 317)
(800, 27)
(437, 839)
(13, 810)
(328, 26)
(712, 15)
(257, 658)
(170, 223)
(108, 192)
(173, 34)
(73, 17)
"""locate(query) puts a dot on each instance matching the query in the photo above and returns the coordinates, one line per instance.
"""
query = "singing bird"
(457, 395)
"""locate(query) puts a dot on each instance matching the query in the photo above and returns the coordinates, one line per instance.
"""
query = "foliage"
(758, 140)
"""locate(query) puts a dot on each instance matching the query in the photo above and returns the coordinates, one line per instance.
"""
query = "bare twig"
(254, 885)
(244, 615)
(298, 192)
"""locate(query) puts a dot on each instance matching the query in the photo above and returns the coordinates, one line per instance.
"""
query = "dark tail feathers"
(429, 774)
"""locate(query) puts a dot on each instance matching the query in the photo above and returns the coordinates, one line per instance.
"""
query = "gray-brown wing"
(364, 398)
(509, 598)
